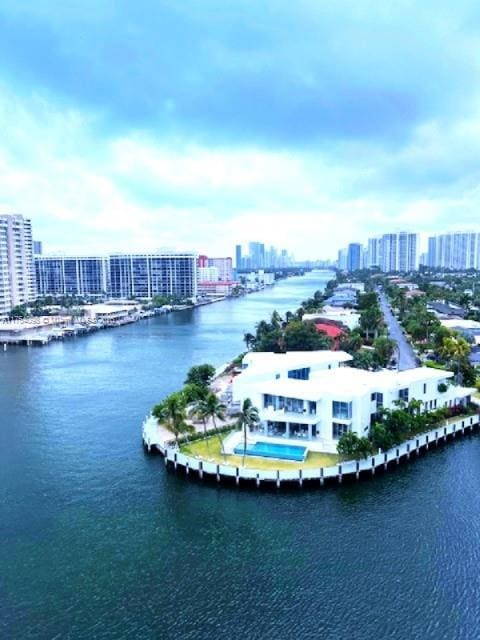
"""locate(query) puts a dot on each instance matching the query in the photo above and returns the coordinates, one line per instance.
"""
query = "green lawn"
(210, 450)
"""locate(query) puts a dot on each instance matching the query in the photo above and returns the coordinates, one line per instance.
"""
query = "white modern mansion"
(314, 397)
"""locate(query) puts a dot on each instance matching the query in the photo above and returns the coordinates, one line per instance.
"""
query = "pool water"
(273, 450)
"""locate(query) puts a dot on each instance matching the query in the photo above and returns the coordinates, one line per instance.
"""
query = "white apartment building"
(393, 252)
(457, 250)
(373, 253)
(16, 259)
(5, 294)
(143, 275)
(72, 275)
(313, 397)
(342, 259)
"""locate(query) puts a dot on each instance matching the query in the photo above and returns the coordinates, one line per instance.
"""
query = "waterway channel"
(97, 540)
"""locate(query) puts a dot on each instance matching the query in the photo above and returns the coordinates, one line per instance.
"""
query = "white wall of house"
(305, 408)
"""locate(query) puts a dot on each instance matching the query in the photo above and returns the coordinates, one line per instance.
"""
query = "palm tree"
(247, 419)
(172, 414)
(200, 410)
(371, 320)
(455, 349)
(276, 320)
(249, 340)
(262, 327)
(215, 409)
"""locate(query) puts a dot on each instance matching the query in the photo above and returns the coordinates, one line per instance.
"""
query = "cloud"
(199, 125)
(236, 73)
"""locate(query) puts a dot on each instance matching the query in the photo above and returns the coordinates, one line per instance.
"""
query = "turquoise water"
(98, 541)
(273, 450)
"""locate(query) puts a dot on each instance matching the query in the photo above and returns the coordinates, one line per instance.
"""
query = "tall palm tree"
(201, 410)
(215, 410)
(249, 340)
(172, 414)
(246, 420)
(276, 320)
(370, 321)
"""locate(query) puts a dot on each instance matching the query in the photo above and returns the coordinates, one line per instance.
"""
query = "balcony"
(300, 415)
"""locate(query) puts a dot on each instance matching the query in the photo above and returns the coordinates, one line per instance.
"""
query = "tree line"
(197, 401)
(394, 426)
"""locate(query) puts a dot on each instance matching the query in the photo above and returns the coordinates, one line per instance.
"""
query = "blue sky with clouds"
(197, 124)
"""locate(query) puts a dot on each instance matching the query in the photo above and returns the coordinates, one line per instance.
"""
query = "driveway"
(406, 356)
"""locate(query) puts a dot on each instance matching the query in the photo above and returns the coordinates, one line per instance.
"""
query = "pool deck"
(317, 446)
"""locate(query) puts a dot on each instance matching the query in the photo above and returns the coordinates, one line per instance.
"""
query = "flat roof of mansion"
(346, 381)
(293, 358)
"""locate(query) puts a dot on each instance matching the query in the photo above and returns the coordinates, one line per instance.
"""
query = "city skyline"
(86, 250)
(129, 128)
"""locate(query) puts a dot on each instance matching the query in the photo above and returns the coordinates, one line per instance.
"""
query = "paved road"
(407, 358)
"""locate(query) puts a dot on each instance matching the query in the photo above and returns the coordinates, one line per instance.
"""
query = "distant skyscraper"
(389, 252)
(373, 252)
(342, 259)
(398, 252)
(407, 251)
(238, 257)
(260, 258)
(456, 250)
(354, 256)
(285, 260)
(37, 248)
(257, 255)
(272, 259)
(16, 257)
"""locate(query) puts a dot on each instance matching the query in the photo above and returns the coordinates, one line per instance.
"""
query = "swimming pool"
(273, 450)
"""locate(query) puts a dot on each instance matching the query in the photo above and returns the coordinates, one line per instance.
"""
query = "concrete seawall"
(348, 470)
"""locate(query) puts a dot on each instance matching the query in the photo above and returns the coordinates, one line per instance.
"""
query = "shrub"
(199, 435)
(352, 446)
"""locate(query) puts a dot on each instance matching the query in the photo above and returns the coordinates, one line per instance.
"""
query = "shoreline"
(79, 328)
(349, 470)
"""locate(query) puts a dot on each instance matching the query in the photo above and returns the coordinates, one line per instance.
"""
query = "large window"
(403, 394)
(342, 410)
(378, 399)
(280, 403)
(299, 374)
(267, 400)
(294, 405)
(338, 429)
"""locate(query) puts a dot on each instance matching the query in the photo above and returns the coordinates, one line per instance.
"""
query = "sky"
(199, 124)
